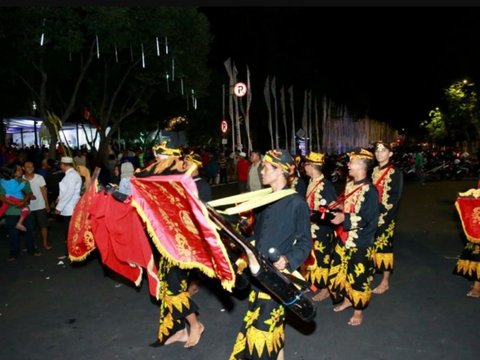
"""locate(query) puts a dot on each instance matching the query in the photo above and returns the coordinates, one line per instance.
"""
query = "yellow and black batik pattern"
(351, 274)
(315, 269)
(176, 304)
(383, 258)
(389, 183)
(262, 335)
(468, 265)
(316, 272)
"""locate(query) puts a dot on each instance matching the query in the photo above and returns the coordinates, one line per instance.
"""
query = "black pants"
(64, 223)
(14, 235)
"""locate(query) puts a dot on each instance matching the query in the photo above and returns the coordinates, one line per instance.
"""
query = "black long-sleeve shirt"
(388, 180)
(361, 213)
(284, 225)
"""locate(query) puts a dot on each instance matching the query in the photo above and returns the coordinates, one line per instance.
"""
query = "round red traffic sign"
(240, 89)
(224, 126)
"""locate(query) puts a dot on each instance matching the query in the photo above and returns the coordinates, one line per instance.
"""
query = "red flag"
(468, 207)
(179, 225)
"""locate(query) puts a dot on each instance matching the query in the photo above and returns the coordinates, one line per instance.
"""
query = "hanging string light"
(168, 75)
(69, 51)
(42, 38)
(98, 47)
(194, 100)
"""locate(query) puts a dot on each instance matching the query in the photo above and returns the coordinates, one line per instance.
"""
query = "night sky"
(391, 63)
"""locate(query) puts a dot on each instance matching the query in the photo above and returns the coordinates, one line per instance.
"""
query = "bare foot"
(344, 305)
(195, 334)
(322, 295)
(47, 247)
(380, 289)
(179, 336)
(356, 319)
(21, 227)
(474, 293)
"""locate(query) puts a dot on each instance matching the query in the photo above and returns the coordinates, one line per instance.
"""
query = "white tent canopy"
(29, 130)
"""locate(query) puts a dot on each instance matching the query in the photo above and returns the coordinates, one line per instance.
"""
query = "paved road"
(82, 311)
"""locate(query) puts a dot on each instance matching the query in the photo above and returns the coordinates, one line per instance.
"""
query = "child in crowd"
(13, 194)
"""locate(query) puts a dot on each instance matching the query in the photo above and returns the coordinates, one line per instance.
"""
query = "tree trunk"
(102, 154)
(53, 140)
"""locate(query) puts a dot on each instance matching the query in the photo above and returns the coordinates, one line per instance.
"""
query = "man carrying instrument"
(388, 180)
(282, 225)
(320, 192)
(351, 268)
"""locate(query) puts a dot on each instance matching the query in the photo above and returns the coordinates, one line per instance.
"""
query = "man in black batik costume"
(351, 268)
(388, 180)
(320, 192)
(283, 225)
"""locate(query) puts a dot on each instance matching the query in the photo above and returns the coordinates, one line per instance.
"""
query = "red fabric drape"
(80, 240)
(121, 240)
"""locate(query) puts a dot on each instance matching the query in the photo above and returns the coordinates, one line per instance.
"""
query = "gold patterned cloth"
(468, 207)
(179, 226)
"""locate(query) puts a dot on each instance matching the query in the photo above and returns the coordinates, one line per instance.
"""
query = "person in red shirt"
(243, 165)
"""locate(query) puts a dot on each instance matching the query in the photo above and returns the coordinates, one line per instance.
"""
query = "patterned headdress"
(162, 149)
(360, 153)
(279, 158)
(380, 145)
(316, 158)
(194, 158)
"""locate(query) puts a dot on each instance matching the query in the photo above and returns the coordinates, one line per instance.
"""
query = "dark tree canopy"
(54, 58)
